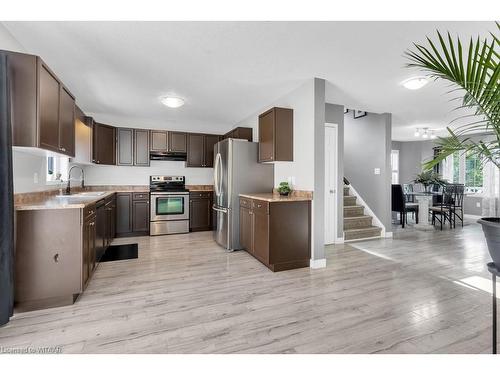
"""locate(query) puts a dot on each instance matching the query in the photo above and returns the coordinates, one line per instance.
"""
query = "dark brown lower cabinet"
(88, 250)
(132, 214)
(200, 211)
(278, 234)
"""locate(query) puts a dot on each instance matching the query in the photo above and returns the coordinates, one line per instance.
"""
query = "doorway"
(331, 182)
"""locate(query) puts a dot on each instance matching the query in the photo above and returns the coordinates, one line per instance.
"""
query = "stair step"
(349, 201)
(351, 211)
(357, 222)
(359, 234)
(346, 191)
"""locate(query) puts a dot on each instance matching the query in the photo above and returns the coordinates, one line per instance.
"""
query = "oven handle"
(224, 210)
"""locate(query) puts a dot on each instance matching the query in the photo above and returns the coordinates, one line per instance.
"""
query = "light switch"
(376, 171)
(478, 204)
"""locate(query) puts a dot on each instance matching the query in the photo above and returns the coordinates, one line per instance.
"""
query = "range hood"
(165, 155)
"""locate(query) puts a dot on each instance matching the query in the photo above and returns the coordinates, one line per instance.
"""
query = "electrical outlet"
(376, 171)
(478, 204)
(35, 178)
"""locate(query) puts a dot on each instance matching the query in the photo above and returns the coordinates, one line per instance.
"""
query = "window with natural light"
(466, 169)
(395, 166)
(57, 169)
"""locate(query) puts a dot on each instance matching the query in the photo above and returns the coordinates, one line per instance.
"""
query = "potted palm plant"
(473, 72)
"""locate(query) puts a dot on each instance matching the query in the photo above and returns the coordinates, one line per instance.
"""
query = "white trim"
(368, 210)
(339, 240)
(336, 187)
(317, 263)
(388, 234)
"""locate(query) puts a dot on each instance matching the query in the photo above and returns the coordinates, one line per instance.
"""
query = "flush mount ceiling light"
(417, 132)
(415, 83)
(172, 101)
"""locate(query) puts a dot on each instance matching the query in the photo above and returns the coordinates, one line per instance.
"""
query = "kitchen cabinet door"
(159, 140)
(141, 148)
(86, 253)
(123, 213)
(276, 135)
(48, 110)
(140, 214)
(200, 214)
(246, 226)
(104, 144)
(66, 123)
(124, 146)
(177, 142)
(210, 141)
(195, 152)
(260, 236)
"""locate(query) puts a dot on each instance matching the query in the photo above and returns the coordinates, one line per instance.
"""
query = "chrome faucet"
(68, 187)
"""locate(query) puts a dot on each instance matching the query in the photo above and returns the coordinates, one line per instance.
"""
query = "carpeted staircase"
(357, 225)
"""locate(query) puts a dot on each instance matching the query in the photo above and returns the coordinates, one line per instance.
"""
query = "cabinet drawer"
(89, 210)
(140, 196)
(200, 194)
(260, 206)
(245, 202)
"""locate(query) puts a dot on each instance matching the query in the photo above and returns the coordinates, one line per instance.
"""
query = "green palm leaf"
(474, 71)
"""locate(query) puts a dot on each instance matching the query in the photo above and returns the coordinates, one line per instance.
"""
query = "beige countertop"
(270, 197)
(55, 203)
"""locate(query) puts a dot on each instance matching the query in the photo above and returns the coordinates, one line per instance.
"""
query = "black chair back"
(397, 198)
(458, 199)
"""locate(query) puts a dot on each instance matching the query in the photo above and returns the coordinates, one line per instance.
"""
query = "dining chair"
(444, 209)
(398, 204)
(458, 203)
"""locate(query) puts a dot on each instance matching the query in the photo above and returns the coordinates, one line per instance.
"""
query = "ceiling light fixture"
(415, 83)
(426, 134)
(433, 136)
(172, 101)
(417, 132)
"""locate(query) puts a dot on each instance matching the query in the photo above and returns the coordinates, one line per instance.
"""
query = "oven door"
(169, 206)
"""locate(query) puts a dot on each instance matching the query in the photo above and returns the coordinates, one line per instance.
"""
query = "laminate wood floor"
(419, 292)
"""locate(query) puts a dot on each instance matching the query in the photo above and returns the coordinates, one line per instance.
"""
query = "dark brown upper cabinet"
(210, 141)
(168, 141)
(200, 150)
(132, 147)
(240, 133)
(177, 142)
(43, 110)
(141, 147)
(159, 140)
(104, 144)
(276, 135)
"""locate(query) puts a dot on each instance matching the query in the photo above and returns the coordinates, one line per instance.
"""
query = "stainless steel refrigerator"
(236, 171)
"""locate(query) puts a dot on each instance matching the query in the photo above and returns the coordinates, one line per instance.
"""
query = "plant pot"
(491, 229)
(284, 194)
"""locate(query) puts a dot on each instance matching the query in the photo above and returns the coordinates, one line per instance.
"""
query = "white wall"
(114, 175)
(302, 167)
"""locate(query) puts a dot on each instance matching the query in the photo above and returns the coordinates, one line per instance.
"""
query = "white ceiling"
(228, 70)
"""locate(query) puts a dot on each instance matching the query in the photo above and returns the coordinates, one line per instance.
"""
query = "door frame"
(333, 238)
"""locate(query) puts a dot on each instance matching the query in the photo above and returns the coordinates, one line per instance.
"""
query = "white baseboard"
(317, 263)
(339, 240)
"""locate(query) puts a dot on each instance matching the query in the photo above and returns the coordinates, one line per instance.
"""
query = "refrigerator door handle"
(216, 174)
(219, 209)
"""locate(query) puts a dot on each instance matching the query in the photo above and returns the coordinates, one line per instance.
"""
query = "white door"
(330, 183)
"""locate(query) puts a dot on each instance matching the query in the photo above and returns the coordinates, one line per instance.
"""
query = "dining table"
(424, 200)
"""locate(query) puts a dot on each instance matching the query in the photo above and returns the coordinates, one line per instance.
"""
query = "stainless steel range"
(169, 205)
